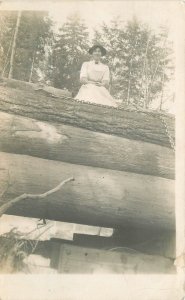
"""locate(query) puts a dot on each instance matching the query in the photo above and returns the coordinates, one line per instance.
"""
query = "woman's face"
(97, 54)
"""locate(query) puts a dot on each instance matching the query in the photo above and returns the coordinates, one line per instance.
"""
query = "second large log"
(84, 147)
(98, 196)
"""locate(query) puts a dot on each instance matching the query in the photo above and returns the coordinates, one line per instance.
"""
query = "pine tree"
(32, 37)
(140, 60)
(69, 52)
(7, 31)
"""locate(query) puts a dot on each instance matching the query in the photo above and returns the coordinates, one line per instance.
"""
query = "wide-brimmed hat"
(102, 49)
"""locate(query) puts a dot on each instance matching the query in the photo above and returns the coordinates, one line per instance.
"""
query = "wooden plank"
(74, 259)
(97, 197)
(84, 147)
(131, 124)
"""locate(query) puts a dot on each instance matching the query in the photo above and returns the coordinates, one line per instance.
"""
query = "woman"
(94, 77)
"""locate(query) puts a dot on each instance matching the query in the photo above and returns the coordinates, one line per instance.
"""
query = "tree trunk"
(162, 92)
(32, 66)
(129, 83)
(97, 197)
(136, 125)
(10, 75)
(144, 69)
(83, 147)
(7, 56)
(147, 86)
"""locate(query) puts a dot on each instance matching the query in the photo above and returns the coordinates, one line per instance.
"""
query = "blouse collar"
(96, 63)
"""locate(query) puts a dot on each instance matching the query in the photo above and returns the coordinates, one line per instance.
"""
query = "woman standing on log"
(95, 78)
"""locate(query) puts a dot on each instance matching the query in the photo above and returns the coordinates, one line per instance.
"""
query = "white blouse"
(95, 72)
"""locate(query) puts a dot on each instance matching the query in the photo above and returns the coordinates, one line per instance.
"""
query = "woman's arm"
(84, 80)
(106, 78)
(83, 73)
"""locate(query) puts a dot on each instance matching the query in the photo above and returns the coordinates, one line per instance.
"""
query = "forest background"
(140, 57)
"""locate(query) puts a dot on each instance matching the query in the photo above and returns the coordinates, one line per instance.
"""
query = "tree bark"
(83, 147)
(32, 66)
(131, 124)
(97, 197)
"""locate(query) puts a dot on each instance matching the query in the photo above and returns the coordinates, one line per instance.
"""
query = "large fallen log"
(97, 197)
(84, 147)
(22, 98)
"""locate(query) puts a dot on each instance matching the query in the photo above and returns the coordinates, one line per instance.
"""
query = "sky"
(94, 13)
(155, 13)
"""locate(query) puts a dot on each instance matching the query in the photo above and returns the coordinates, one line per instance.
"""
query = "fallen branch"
(6, 206)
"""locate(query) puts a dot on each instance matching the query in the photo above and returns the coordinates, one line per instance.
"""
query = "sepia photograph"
(88, 143)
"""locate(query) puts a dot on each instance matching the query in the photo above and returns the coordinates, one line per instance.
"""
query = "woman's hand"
(84, 80)
(98, 83)
(103, 83)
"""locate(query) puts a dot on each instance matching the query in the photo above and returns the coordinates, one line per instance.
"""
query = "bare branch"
(6, 206)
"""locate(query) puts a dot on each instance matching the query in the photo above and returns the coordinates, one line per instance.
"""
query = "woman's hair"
(102, 49)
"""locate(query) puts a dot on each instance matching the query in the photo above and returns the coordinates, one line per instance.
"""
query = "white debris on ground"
(34, 229)
(36, 264)
(63, 230)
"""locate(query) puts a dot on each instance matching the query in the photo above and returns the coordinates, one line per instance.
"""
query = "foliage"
(33, 36)
(69, 51)
(139, 59)
(12, 253)
(7, 28)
